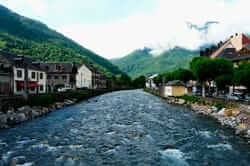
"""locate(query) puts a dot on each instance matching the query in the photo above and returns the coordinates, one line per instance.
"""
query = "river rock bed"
(13, 116)
(236, 118)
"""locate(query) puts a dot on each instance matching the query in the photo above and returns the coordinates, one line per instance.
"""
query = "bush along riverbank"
(15, 110)
(235, 116)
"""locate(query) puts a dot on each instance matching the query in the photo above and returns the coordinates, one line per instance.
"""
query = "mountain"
(143, 62)
(34, 39)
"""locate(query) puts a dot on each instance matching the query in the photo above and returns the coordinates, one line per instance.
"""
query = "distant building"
(99, 80)
(24, 71)
(235, 49)
(60, 74)
(66, 74)
(150, 82)
(174, 88)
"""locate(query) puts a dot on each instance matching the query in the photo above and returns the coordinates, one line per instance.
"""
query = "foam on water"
(174, 157)
(221, 146)
(26, 164)
(206, 134)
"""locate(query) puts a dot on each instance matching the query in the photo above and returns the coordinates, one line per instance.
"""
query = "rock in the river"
(68, 102)
(59, 105)
(35, 114)
(221, 112)
(20, 117)
(181, 101)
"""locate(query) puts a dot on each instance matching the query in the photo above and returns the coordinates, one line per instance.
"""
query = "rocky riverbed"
(237, 118)
(13, 116)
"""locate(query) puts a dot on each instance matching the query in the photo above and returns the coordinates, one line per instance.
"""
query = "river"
(126, 128)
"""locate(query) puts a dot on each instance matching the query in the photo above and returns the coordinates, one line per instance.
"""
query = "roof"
(51, 67)
(153, 76)
(176, 83)
(232, 47)
(31, 64)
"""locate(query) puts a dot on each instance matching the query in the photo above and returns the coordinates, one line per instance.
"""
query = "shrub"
(79, 95)
(219, 105)
(192, 99)
(41, 100)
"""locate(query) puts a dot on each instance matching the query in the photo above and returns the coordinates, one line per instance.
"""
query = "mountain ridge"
(143, 62)
(32, 38)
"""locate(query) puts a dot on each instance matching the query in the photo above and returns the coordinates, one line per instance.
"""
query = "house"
(25, 73)
(174, 88)
(99, 80)
(84, 77)
(150, 82)
(235, 49)
(59, 74)
(5, 80)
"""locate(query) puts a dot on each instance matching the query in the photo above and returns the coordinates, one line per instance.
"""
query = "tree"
(139, 82)
(123, 80)
(223, 81)
(183, 75)
(202, 69)
(242, 76)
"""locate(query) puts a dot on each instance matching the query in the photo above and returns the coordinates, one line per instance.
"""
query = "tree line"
(207, 71)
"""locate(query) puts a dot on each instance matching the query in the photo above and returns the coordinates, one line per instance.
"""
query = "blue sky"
(114, 28)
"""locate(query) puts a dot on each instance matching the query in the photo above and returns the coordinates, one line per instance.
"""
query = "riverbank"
(235, 116)
(15, 110)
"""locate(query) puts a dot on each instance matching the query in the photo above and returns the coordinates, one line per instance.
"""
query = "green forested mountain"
(142, 62)
(31, 38)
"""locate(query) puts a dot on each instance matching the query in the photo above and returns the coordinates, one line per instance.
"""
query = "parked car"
(233, 97)
(64, 89)
(247, 97)
(240, 96)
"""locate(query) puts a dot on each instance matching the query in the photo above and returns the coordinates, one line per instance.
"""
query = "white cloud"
(165, 28)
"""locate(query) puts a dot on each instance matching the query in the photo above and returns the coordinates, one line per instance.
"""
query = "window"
(32, 89)
(19, 74)
(48, 77)
(64, 77)
(41, 88)
(33, 75)
(41, 76)
(56, 77)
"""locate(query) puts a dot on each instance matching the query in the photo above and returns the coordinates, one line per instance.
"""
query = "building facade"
(84, 77)
(98, 79)
(59, 74)
(236, 49)
(26, 74)
(5, 81)
(150, 82)
(174, 88)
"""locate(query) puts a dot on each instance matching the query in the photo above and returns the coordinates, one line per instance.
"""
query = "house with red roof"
(235, 49)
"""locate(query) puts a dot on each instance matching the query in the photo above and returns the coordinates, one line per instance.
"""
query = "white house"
(150, 82)
(84, 77)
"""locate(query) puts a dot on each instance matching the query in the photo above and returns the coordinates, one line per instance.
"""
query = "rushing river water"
(127, 128)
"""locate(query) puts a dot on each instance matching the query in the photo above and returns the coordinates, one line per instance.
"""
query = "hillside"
(32, 38)
(142, 62)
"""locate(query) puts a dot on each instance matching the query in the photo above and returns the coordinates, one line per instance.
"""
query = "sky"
(115, 28)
